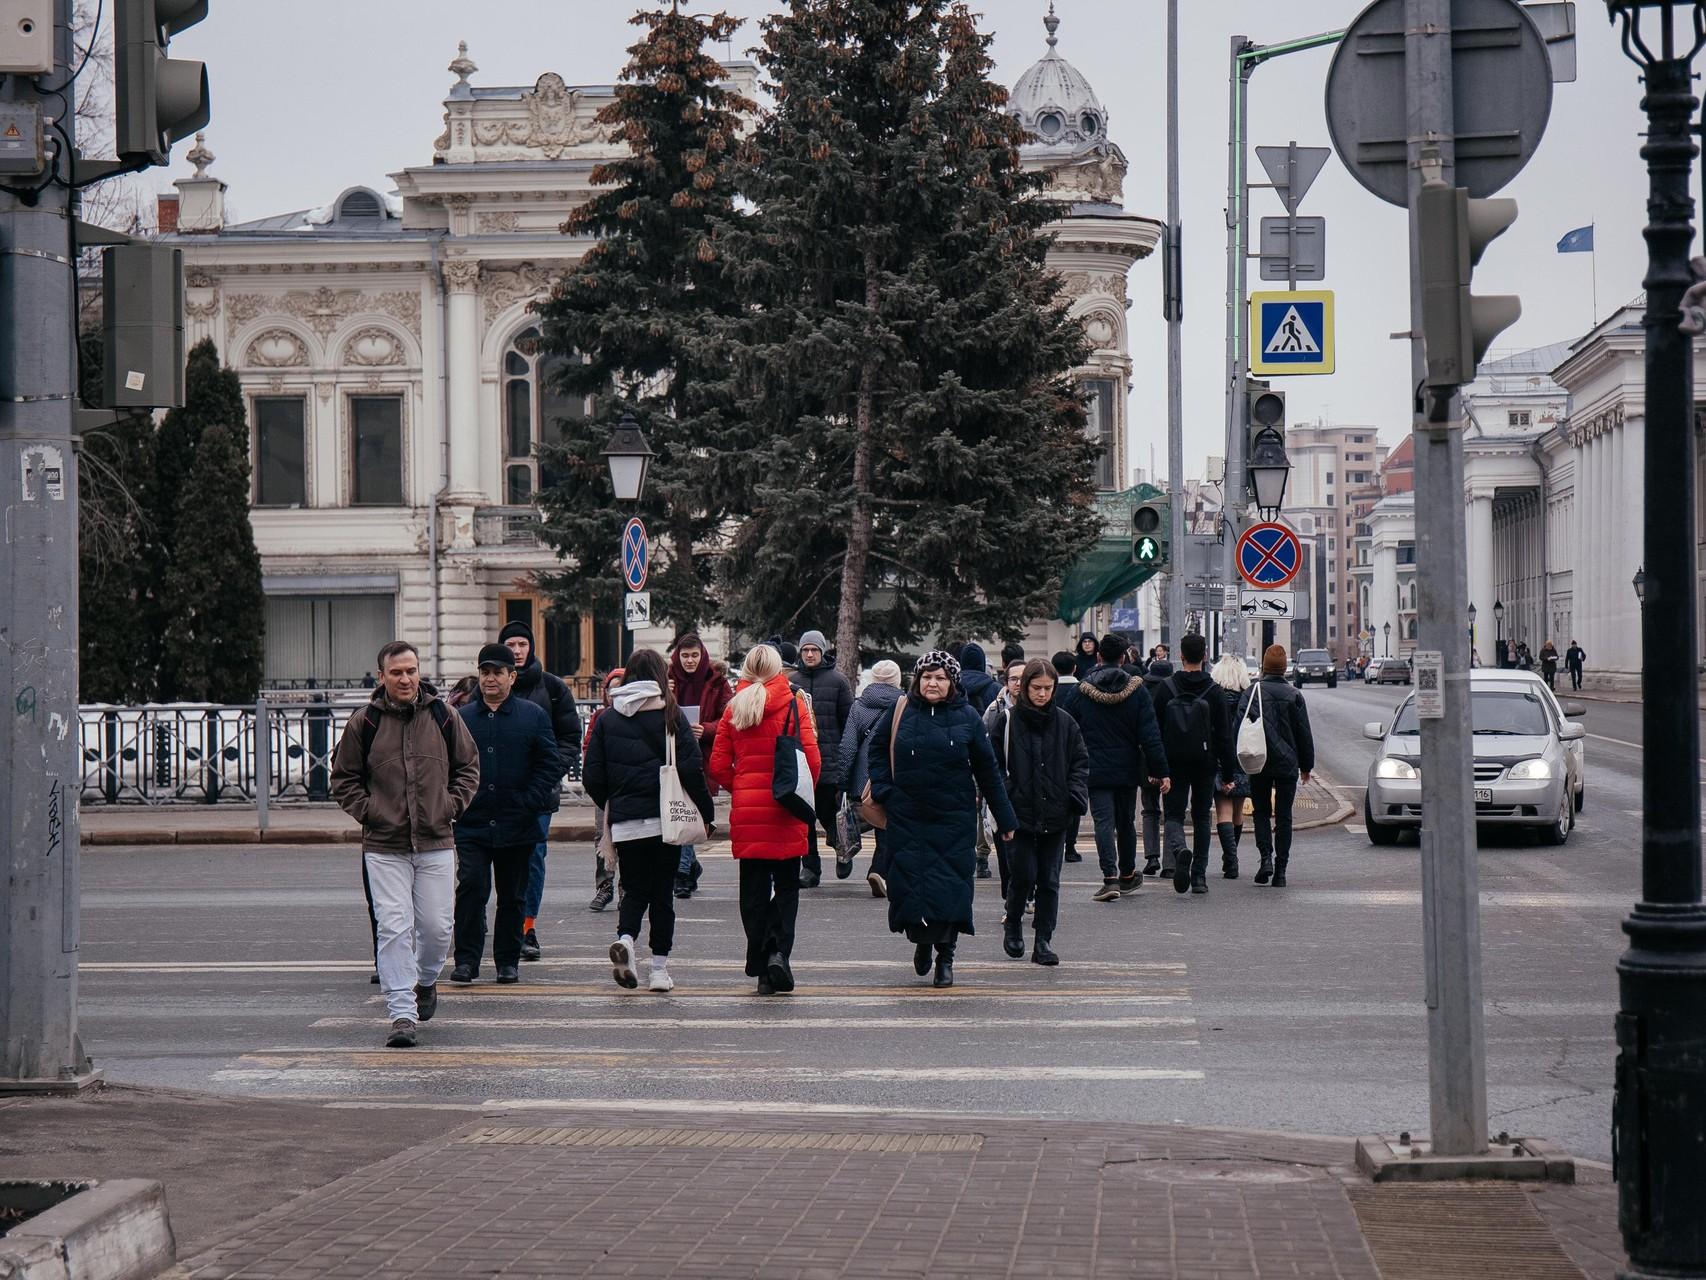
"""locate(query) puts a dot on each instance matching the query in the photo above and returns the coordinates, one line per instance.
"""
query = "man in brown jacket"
(405, 769)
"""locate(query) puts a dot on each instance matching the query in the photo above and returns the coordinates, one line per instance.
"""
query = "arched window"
(533, 415)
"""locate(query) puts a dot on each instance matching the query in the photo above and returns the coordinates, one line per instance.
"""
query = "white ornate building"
(380, 338)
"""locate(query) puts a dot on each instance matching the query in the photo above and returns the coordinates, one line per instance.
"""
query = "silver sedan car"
(1530, 762)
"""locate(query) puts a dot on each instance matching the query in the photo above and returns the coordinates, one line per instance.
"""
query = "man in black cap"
(521, 768)
(547, 692)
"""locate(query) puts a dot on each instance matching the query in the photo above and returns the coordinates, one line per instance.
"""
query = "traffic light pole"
(1173, 305)
(1457, 1071)
(39, 769)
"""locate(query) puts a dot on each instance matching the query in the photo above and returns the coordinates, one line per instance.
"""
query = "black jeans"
(477, 866)
(769, 904)
(1114, 811)
(881, 858)
(1151, 823)
(648, 868)
(1575, 677)
(826, 799)
(1034, 858)
(1197, 793)
(1271, 799)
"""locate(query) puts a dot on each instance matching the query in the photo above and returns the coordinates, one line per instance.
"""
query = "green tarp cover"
(1106, 572)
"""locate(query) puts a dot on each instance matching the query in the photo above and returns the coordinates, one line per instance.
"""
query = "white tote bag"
(1253, 737)
(682, 821)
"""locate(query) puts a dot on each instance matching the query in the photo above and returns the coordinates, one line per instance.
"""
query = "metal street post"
(1659, 1112)
(39, 772)
(1173, 307)
(1451, 899)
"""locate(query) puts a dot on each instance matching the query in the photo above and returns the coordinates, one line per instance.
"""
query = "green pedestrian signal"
(1150, 528)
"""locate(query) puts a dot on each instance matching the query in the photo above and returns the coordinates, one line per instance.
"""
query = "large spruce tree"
(627, 324)
(210, 607)
(919, 461)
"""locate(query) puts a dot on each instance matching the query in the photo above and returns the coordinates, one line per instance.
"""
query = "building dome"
(1056, 105)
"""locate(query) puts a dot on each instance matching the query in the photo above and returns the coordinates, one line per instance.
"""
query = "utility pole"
(1174, 310)
(39, 769)
(1237, 242)
(1451, 898)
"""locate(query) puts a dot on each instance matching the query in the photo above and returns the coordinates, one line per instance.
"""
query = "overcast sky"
(317, 95)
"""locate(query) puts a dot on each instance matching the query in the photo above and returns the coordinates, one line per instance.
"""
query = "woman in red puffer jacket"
(767, 840)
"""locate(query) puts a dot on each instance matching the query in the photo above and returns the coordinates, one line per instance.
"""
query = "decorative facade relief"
(502, 287)
(1080, 284)
(373, 348)
(462, 274)
(554, 119)
(323, 309)
(1102, 327)
(1098, 178)
(500, 221)
(276, 349)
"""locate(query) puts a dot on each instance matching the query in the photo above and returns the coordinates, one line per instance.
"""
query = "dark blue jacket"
(873, 705)
(520, 769)
(942, 760)
(1120, 729)
(548, 692)
(980, 687)
(1066, 695)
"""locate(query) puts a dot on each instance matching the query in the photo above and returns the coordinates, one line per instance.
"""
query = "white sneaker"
(622, 963)
(661, 981)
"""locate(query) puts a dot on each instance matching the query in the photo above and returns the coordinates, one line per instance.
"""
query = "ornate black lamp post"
(629, 458)
(1659, 1115)
(1386, 630)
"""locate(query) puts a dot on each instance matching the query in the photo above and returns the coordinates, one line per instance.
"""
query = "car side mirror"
(1572, 709)
(1571, 732)
(1374, 730)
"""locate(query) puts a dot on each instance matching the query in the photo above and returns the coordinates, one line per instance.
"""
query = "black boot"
(983, 867)
(1265, 871)
(1279, 870)
(1042, 953)
(1199, 872)
(1228, 850)
(1013, 935)
(921, 959)
(944, 965)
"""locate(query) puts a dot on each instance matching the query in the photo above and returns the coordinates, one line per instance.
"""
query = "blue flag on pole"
(1578, 241)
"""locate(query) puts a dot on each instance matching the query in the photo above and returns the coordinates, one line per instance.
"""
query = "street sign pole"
(1174, 306)
(1451, 922)
(1237, 247)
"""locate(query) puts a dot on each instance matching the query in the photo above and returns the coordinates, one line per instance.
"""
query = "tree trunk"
(850, 623)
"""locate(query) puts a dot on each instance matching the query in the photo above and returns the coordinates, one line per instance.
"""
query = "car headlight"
(1393, 767)
(1536, 770)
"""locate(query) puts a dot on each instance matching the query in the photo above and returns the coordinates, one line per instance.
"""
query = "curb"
(1344, 810)
(108, 1231)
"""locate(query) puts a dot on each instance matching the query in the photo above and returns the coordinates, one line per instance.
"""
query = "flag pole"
(1593, 270)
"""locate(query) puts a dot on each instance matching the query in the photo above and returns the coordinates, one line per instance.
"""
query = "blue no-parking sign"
(636, 555)
(1291, 332)
(1268, 555)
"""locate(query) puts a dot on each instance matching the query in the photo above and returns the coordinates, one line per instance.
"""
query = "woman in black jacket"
(1233, 678)
(942, 759)
(1040, 754)
(623, 756)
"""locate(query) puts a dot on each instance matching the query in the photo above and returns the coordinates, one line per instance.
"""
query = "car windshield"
(1501, 713)
(1313, 655)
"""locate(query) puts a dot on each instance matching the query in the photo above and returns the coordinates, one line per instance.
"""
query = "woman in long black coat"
(942, 759)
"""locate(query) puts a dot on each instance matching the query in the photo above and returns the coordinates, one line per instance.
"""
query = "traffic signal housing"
(1151, 530)
(1457, 326)
(158, 100)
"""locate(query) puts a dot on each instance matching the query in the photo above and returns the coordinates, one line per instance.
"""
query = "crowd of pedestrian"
(455, 795)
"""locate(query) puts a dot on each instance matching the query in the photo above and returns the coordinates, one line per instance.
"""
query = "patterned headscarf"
(937, 658)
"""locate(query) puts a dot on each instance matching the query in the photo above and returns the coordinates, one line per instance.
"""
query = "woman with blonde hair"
(1233, 679)
(767, 841)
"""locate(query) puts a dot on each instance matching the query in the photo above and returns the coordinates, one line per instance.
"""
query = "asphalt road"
(244, 971)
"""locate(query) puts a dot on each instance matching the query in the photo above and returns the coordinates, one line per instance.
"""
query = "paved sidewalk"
(703, 1192)
(1316, 806)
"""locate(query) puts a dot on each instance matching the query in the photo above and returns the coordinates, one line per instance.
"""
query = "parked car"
(1387, 671)
(1530, 761)
(1313, 664)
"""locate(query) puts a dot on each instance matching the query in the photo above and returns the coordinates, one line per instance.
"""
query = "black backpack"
(441, 714)
(1187, 731)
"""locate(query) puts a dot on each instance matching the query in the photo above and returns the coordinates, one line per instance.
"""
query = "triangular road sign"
(1291, 188)
(1292, 337)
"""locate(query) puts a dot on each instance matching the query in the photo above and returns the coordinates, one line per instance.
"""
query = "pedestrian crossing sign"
(1291, 332)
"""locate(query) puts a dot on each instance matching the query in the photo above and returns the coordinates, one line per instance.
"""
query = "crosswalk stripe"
(598, 959)
(826, 991)
(834, 1023)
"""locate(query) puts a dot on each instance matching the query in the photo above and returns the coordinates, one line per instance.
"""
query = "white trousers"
(413, 897)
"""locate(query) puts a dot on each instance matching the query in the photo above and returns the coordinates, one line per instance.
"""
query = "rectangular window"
(1332, 633)
(326, 641)
(376, 434)
(1332, 544)
(1329, 477)
(1332, 610)
(281, 473)
(1099, 424)
(1330, 501)
(1332, 588)
(1519, 418)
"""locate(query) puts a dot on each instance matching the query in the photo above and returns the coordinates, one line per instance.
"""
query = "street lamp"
(1659, 1109)
(1386, 629)
(1471, 624)
(629, 458)
(1499, 638)
(1269, 469)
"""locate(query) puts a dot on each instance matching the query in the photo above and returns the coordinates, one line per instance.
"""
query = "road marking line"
(434, 1061)
(835, 1023)
(598, 959)
(1356, 829)
(605, 991)
(1619, 741)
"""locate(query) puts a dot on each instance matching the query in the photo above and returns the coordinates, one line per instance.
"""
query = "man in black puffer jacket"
(1124, 741)
(547, 692)
(1196, 725)
(832, 702)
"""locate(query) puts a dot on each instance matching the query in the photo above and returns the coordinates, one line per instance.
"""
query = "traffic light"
(1457, 326)
(1151, 529)
(158, 100)
(1263, 407)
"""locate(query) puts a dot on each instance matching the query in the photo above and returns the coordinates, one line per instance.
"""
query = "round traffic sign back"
(1269, 555)
(636, 555)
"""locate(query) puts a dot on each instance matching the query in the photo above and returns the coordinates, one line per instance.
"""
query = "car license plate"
(1483, 795)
